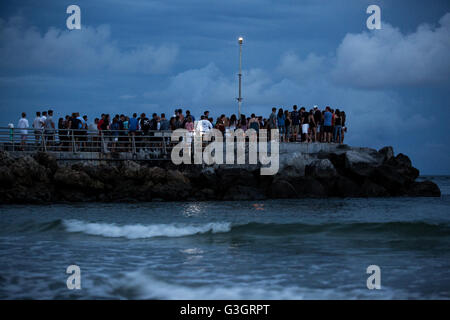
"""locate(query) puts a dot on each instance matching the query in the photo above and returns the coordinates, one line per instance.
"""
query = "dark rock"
(47, 161)
(309, 187)
(282, 189)
(203, 178)
(240, 193)
(321, 168)
(26, 171)
(205, 194)
(364, 156)
(371, 189)
(387, 152)
(131, 170)
(338, 160)
(5, 158)
(230, 177)
(174, 186)
(6, 177)
(290, 172)
(424, 189)
(349, 172)
(343, 147)
(155, 174)
(403, 166)
(389, 177)
(345, 187)
(360, 172)
(401, 160)
(69, 178)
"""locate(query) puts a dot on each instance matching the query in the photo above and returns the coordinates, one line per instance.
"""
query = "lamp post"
(239, 99)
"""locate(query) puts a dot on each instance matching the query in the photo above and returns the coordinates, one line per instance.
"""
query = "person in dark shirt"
(317, 120)
(304, 124)
(295, 125)
(144, 124)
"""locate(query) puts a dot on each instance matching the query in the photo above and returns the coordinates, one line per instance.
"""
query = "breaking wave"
(141, 284)
(144, 231)
(139, 231)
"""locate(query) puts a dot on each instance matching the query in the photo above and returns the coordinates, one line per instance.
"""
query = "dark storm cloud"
(387, 57)
(25, 49)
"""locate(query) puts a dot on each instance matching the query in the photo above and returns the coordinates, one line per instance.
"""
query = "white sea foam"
(142, 285)
(139, 231)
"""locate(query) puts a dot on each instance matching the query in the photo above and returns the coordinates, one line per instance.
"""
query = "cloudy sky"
(151, 56)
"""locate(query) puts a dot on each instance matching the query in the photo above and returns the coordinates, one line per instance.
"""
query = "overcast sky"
(152, 56)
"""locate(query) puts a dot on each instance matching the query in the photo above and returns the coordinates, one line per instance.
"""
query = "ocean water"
(279, 249)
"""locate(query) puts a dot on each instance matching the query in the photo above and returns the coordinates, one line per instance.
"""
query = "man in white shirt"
(37, 126)
(43, 118)
(23, 126)
(49, 127)
(206, 125)
(203, 126)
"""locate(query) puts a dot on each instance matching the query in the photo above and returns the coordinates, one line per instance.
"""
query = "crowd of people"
(296, 125)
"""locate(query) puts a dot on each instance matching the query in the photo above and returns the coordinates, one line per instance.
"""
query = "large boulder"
(5, 158)
(310, 187)
(27, 171)
(282, 189)
(364, 156)
(403, 166)
(68, 178)
(241, 193)
(131, 170)
(294, 165)
(175, 186)
(345, 187)
(321, 168)
(6, 177)
(400, 160)
(371, 189)
(387, 153)
(389, 177)
(109, 175)
(424, 189)
(155, 174)
(46, 160)
(230, 177)
(202, 178)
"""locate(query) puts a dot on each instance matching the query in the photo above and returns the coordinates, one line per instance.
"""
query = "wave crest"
(139, 231)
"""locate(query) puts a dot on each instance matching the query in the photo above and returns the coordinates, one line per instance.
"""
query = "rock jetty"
(339, 172)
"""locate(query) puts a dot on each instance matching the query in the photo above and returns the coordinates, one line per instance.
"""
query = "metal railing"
(71, 144)
(156, 143)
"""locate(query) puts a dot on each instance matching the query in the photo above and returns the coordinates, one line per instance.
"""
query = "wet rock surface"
(351, 172)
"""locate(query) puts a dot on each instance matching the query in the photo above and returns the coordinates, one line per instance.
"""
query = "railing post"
(133, 143)
(44, 141)
(73, 142)
(102, 141)
(164, 142)
(12, 138)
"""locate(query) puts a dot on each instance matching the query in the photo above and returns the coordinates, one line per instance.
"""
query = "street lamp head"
(240, 40)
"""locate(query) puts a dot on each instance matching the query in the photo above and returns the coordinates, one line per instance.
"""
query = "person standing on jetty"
(37, 126)
(49, 128)
(327, 123)
(281, 124)
(23, 125)
(318, 121)
(295, 116)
